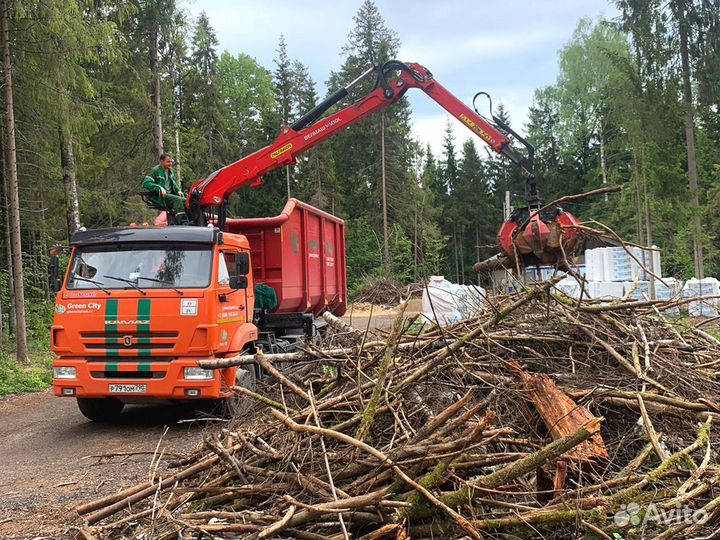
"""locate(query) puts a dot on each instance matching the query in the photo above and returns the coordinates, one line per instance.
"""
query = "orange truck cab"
(139, 306)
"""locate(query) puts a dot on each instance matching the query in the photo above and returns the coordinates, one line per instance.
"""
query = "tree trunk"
(177, 156)
(320, 195)
(43, 244)
(17, 267)
(638, 201)
(8, 246)
(155, 91)
(67, 162)
(690, 140)
(421, 235)
(461, 281)
(648, 231)
(455, 254)
(477, 245)
(415, 242)
(603, 158)
(386, 242)
(287, 177)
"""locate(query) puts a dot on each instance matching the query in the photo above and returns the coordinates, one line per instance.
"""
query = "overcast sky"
(507, 48)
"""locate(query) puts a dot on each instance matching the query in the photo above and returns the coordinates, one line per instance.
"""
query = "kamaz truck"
(139, 306)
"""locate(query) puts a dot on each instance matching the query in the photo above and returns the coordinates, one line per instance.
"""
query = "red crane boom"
(308, 131)
(528, 236)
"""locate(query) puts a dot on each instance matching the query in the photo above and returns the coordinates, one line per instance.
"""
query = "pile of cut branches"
(544, 417)
(387, 291)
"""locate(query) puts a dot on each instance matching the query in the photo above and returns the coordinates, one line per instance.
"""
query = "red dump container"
(300, 254)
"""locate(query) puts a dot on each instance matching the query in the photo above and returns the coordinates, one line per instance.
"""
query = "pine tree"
(476, 213)
(203, 85)
(21, 352)
(449, 222)
(283, 86)
(449, 166)
(357, 151)
(432, 180)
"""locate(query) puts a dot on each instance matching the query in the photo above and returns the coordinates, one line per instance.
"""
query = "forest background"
(97, 89)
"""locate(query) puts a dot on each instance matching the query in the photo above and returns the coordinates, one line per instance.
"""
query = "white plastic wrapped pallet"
(702, 289)
(449, 302)
(650, 259)
(605, 290)
(672, 289)
(640, 290)
(569, 286)
(607, 264)
(595, 263)
(616, 264)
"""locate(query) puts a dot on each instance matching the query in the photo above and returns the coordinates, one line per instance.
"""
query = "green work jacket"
(156, 178)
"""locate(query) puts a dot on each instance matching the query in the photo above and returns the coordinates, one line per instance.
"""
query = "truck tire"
(100, 409)
(237, 405)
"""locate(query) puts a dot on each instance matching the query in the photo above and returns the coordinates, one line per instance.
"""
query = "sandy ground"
(363, 316)
(48, 450)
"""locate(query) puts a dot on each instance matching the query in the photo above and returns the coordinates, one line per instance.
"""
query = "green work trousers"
(175, 204)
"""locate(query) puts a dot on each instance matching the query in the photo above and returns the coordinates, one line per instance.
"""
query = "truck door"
(232, 303)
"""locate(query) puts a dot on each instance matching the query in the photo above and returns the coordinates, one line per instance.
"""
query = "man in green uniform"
(166, 192)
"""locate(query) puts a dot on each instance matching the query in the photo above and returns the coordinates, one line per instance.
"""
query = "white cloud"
(429, 128)
(452, 52)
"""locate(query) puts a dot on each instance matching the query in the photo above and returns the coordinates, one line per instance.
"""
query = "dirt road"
(47, 463)
(378, 318)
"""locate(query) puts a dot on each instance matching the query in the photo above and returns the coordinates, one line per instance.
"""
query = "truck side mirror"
(238, 282)
(54, 274)
(242, 264)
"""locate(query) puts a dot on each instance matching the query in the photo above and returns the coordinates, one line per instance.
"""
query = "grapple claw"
(533, 237)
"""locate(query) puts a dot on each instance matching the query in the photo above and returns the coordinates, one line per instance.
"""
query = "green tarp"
(265, 297)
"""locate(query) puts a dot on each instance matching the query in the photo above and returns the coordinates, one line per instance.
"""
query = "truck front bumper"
(162, 380)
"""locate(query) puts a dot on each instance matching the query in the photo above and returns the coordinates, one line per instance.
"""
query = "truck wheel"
(100, 409)
(237, 405)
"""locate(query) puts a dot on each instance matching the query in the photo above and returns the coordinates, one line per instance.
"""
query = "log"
(460, 520)
(561, 415)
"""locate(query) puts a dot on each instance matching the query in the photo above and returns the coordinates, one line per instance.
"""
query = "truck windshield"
(148, 266)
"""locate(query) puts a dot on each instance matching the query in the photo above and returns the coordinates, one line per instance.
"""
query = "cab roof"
(175, 233)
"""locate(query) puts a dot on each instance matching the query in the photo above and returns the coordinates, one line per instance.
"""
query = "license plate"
(127, 388)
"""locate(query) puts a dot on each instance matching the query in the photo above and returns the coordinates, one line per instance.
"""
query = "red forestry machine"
(529, 237)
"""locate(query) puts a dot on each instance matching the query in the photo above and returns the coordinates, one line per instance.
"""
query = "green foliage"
(615, 116)
(31, 377)
(400, 265)
(363, 251)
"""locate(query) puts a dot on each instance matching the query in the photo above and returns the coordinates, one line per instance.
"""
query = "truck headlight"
(63, 372)
(199, 374)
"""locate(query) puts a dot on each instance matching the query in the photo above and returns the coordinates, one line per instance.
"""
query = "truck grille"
(127, 374)
(139, 341)
(132, 359)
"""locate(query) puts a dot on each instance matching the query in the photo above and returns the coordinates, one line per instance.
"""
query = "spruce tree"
(357, 151)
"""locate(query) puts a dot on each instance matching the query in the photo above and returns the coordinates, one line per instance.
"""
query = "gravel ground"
(48, 463)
